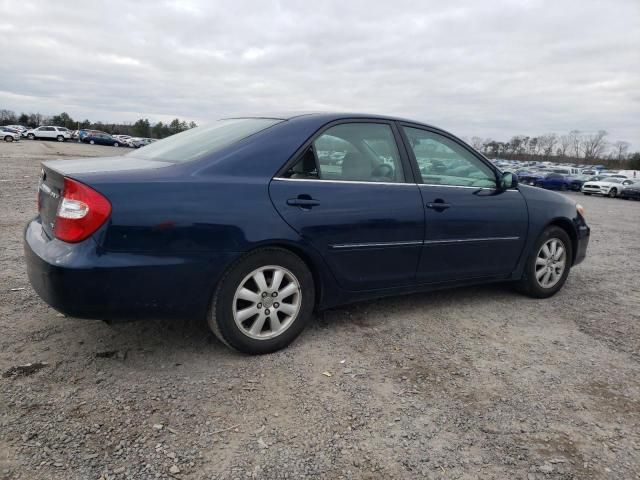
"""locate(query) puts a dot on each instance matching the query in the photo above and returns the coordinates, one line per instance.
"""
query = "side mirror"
(508, 180)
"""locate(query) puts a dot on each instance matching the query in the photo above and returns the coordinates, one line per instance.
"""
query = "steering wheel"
(383, 170)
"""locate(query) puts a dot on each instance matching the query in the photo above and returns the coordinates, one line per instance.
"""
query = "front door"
(349, 196)
(472, 229)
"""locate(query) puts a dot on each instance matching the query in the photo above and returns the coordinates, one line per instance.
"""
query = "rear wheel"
(116, 144)
(263, 302)
(31, 136)
(92, 142)
(548, 266)
(60, 138)
(8, 138)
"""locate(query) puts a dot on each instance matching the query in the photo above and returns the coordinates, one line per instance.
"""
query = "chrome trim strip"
(341, 181)
(467, 240)
(464, 186)
(360, 182)
(412, 243)
(376, 245)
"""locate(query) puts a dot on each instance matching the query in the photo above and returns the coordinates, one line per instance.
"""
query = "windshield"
(200, 141)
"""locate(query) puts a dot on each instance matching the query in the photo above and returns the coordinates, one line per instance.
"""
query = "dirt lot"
(471, 383)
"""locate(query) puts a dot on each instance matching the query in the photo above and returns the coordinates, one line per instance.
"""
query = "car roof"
(328, 116)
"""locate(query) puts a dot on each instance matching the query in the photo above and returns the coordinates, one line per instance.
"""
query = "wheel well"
(308, 261)
(567, 226)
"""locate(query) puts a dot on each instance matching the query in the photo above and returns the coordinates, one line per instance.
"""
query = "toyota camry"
(255, 223)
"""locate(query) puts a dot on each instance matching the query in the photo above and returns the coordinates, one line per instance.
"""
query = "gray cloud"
(493, 68)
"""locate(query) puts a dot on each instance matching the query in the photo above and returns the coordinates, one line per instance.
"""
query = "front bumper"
(583, 233)
(80, 280)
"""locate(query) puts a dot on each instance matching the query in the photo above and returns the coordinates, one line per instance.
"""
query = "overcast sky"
(488, 68)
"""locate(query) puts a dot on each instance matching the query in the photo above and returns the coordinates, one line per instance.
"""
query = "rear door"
(350, 193)
(472, 229)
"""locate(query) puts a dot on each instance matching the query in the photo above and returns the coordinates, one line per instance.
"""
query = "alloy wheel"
(267, 302)
(550, 263)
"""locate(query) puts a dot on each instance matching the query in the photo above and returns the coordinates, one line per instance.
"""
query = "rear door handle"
(303, 202)
(438, 206)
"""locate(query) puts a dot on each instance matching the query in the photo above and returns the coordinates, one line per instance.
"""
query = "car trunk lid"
(52, 174)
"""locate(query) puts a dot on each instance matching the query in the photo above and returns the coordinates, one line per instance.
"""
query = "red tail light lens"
(81, 212)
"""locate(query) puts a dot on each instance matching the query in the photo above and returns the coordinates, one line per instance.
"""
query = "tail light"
(81, 212)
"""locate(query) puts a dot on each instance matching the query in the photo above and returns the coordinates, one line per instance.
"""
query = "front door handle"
(438, 205)
(303, 201)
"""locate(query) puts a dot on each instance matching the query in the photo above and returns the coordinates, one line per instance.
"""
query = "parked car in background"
(88, 131)
(576, 181)
(609, 186)
(554, 181)
(240, 223)
(630, 190)
(61, 134)
(566, 170)
(138, 142)
(101, 139)
(124, 140)
(9, 134)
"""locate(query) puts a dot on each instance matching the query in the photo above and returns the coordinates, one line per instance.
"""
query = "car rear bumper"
(630, 194)
(82, 281)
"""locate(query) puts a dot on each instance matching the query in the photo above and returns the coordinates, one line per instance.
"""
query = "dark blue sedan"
(554, 181)
(254, 223)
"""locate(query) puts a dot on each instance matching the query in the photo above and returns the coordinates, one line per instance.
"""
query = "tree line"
(140, 128)
(573, 147)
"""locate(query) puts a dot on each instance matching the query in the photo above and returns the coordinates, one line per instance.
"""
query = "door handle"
(438, 205)
(303, 201)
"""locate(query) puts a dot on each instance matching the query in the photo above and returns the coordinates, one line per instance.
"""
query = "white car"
(610, 186)
(9, 134)
(60, 134)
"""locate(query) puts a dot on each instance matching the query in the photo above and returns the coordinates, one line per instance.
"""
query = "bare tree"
(564, 143)
(594, 145)
(620, 150)
(477, 143)
(546, 143)
(576, 142)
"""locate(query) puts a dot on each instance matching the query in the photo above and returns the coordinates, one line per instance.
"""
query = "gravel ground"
(469, 383)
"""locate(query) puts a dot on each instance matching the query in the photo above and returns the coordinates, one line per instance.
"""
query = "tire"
(529, 284)
(564, 187)
(613, 193)
(31, 136)
(8, 138)
(60, 138)
(92, 142)
(225, 305)
(116, 144)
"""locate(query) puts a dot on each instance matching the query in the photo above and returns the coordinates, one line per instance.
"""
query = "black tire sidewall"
(532, 286)
(221, 314)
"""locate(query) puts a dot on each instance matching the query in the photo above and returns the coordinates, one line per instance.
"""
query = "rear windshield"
(200, 141)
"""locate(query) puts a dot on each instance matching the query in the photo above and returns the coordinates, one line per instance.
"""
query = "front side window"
(444, 162)
(364, 152)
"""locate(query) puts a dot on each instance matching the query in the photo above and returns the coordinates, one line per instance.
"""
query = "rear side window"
(364, 152)
(201, 141)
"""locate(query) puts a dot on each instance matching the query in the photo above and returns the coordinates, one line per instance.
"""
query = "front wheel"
(263, 302)
(8, 138)
(31, 136)
(613, 193)
(92, 142)
(548, 266)
(116, 144)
